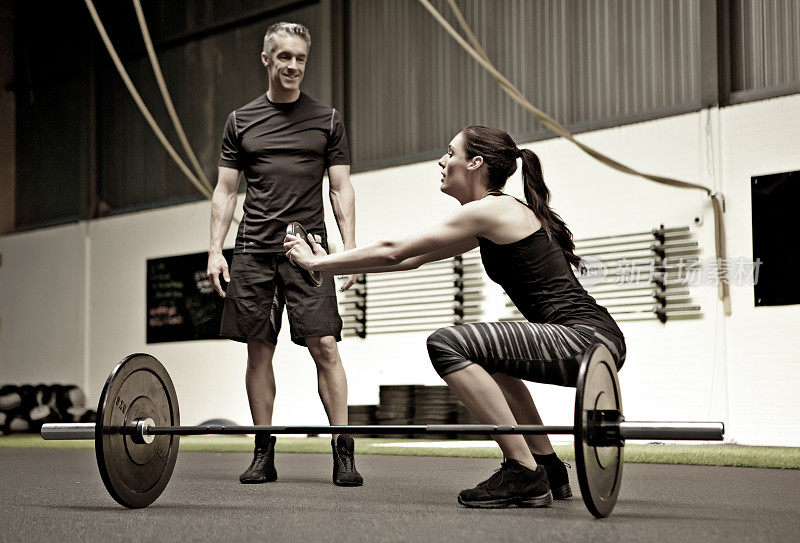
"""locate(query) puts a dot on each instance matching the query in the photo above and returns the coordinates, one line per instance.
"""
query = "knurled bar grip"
(57, 431)
(369, 429)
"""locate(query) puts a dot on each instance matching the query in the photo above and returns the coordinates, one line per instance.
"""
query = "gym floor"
(50, 494)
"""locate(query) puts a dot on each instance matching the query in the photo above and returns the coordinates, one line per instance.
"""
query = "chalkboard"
(181, 303)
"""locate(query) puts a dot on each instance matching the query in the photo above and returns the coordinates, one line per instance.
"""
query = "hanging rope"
(138, 99)
(477, 52)
(148, 43)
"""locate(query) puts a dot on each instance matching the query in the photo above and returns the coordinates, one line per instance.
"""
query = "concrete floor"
(58, 494)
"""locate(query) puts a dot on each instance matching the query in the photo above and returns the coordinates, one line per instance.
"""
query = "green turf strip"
(705, 455)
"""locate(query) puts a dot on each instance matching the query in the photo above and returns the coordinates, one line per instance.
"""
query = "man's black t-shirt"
(284, 150)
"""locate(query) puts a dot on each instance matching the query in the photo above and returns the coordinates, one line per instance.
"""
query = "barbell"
(138, 427)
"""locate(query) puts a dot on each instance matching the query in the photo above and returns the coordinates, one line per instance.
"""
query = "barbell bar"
(699, 431)
(138, 427)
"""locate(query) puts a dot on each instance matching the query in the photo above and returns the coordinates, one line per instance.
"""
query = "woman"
(527, 249)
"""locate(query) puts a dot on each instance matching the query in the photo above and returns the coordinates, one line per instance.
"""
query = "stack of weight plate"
(434, 405)
(25, 408)
(462, 416)
(362, 415)
(396, 405)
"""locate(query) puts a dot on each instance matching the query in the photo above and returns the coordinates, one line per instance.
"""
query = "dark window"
(775, 200)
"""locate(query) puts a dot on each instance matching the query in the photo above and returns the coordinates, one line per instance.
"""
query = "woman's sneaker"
(513, 484)
(559, 479)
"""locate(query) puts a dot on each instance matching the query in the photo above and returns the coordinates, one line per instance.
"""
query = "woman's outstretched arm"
(455, 235)
(416, 261)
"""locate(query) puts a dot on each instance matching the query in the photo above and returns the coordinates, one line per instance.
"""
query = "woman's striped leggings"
(543, 353)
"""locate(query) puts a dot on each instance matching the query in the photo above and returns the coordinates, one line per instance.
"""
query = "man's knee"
(324, 351)
(259, 353)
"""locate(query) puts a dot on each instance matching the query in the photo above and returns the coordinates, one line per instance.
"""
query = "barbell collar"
(139, 433)
(62, 431)
(694, 431)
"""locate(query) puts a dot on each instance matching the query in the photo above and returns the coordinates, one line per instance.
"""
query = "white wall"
(73, 298)
(42, 306)
(763, 343)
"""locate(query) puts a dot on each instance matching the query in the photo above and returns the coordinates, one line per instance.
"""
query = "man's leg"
(332, 385)
(260, 380)
(315, 322)
(253, 284)
(331, 379)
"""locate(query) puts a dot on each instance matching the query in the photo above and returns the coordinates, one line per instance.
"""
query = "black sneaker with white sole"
(512, 484)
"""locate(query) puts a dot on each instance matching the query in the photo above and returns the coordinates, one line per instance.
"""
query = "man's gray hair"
(284, 28)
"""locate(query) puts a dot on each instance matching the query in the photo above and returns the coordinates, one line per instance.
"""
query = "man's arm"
(343, 202)
(223, 203)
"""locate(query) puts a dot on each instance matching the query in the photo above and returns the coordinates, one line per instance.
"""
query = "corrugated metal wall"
(765, 47)
(633, 58)
(586, 62)
(409, 86)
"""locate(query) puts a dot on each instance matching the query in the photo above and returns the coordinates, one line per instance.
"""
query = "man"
(283, 142)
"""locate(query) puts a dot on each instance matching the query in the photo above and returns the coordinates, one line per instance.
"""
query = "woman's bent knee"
(445, 352)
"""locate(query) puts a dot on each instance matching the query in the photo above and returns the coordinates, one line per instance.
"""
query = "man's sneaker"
(512, 484)
(344, 462)
(559, 480)
(262, 469)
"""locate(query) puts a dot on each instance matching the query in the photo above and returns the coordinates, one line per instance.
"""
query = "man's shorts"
(261, 285)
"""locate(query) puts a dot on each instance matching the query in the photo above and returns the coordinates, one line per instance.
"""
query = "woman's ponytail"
(538, 197)
(500, 155)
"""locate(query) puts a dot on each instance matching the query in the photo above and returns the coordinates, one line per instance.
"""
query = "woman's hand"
(302, 253)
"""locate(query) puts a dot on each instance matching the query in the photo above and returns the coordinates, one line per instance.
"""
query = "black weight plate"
(136, 474)
(296, 229)
(599, 468)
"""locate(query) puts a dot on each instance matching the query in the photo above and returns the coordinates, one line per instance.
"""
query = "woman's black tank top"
(537, 277)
